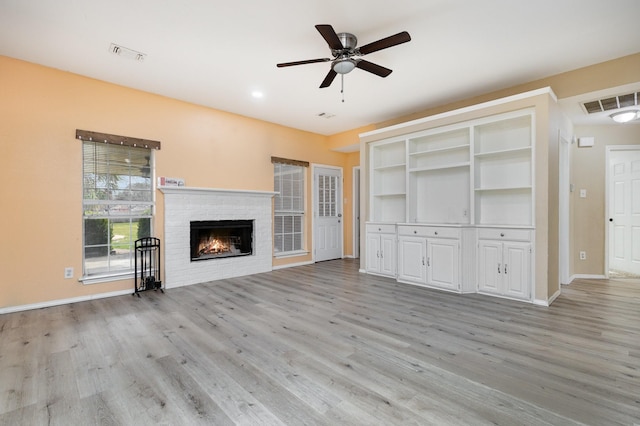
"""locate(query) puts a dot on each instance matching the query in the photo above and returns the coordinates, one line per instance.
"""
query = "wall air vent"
(612, 103)
(126, 52)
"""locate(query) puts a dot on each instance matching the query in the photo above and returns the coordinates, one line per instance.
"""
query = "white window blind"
(288, 208)
(118, 205)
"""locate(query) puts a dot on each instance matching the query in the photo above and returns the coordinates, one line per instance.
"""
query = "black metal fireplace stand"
(147, 265)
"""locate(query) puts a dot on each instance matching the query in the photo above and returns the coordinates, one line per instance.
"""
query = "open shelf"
(442, 167)
(391, 167)
(512, 152)
(505, 188)
(503, 135)
(439, 150)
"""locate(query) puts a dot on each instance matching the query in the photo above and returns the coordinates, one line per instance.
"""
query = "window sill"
(97, 279)
(291, 254)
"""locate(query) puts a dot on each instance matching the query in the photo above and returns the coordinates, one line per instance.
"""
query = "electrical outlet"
(583, 193)
(68, 272)
(583, 255)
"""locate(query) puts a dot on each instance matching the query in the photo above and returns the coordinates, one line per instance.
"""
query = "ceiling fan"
(346, 56)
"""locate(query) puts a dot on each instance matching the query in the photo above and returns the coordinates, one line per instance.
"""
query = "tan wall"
(41, 194)
(605, 75)
(588, 171)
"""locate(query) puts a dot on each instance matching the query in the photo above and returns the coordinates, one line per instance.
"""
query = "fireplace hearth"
(214, 239)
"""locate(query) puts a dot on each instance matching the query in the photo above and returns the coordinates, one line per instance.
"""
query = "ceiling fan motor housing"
(349, 41)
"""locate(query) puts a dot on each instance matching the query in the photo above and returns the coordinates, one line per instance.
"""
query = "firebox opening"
(213, 239)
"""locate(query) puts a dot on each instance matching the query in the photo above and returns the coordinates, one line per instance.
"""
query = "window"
(289, 208)
(117, 205)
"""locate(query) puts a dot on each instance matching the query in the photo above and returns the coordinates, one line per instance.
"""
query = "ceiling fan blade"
(330, 36)
(328, 79)
(373, 68)
(384, 43)
(308, 61)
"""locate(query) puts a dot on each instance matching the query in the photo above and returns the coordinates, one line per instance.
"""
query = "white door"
(624, 211)
(327, 213)
(515, 270)
(442, 263)
(388, 254)
(489, 266)
(373, 253)
(412, 259)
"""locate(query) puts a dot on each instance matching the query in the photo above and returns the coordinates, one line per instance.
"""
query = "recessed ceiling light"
(256, 94)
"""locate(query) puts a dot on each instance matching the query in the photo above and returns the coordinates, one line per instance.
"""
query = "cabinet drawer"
(504, 234)
(381, 228)
(429, 231)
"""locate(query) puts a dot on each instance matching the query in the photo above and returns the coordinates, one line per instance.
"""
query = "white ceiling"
(216, 53)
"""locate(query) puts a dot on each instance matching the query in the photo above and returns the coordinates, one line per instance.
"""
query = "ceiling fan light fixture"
(625, 116)
(344, 66)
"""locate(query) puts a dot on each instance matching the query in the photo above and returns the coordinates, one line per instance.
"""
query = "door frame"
(607, 181)
(564, 209)
(355, 196)
(314, 204)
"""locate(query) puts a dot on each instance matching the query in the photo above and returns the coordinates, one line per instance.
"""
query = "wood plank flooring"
(325, 345)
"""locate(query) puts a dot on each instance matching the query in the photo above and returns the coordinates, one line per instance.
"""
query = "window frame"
(282, 213)
(148, 212)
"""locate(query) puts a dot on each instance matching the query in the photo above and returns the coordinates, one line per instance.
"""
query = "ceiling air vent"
(126, 52)
(612, 103)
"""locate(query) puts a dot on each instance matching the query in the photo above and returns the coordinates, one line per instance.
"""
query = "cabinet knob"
(436, 233)
(415, 232)
(502, 234)
(379, 229)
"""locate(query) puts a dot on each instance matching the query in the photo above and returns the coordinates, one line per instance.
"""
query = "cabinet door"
(489, 266)
(443, 263)
(412, 259)
(388, 254)
(373, 252)
(516, 259)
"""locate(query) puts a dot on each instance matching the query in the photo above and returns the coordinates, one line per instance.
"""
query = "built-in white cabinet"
(471, 180)
(381, 249)
(504, 259)
(429, 256)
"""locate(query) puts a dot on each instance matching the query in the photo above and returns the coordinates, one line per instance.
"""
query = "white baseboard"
(362, 271)
(59, 302)
(291, 265)
(586, 277)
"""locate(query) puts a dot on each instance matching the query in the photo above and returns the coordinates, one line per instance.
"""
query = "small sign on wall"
(587, 141)
(167, 181)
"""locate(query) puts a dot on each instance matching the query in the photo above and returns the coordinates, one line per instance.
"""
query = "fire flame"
(213, 245)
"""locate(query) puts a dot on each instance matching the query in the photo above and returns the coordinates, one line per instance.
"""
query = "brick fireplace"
(184, 206)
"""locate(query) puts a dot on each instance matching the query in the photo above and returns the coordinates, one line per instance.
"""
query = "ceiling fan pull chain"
(342, 86)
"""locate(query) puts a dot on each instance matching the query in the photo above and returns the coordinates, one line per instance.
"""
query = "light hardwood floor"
(323, 344)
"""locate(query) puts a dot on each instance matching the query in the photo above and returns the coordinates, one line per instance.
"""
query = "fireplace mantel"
(197, 190)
